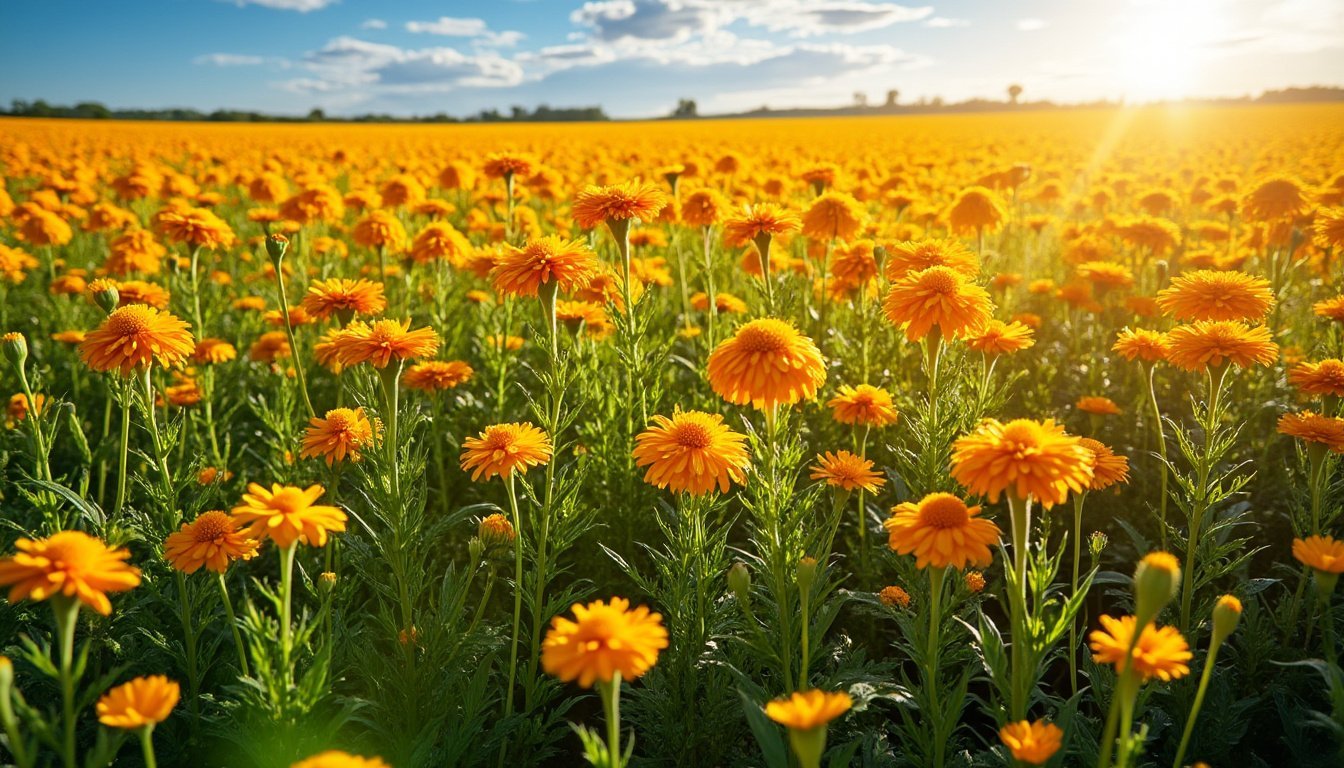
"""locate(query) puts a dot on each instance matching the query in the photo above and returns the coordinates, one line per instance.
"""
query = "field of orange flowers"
(1006, 439)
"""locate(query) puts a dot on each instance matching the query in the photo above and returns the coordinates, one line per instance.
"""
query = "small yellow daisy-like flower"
(342, 433)
(142, 701)
(1100, 406)
(1029, 459)
(692, 452)
(1141, 344)
(975, 582)
(1161, 653)
(603, 639)
(288, 514)
(1032, 743)
(940, 531)
(211, 540)
(502, 449)
(997, 338)
(334, 758)
(847, 471)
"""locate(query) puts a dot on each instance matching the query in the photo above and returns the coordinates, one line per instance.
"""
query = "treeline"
(92, 110)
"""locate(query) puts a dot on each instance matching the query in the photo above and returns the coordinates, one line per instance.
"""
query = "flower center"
(211, 526)
(939, 280)
(129, 321)
(692, 435)
(944, 511)
(764, 336)
(289, 501)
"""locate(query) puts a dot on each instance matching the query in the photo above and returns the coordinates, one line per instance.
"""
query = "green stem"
(1201, 501)
(1161, 452)
(120, 502)
(286, 596)
(611, 706)
(66, 610)
(147, 745)
(1020, 514)
(1204, 677)
(517, 605)
(293, 344)
(804, 599)
(1077, 557)
(936, 576)
(233, 624)
(189, 644)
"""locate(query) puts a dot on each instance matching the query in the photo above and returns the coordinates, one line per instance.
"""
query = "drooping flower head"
(288, 514)
(142, 701)
(439, 240)
(937, 296)
(976, 209)
(833, 216)
(758, 222)
(502, 449)
(1275, 198)
(380, 229)
(1214, 343)
(618, 203)
(1028, 459)
(71, 564)
(765, 364)
(941, 530)
(692, 452)
(211, 540)
(996, 338)
(704, 208)
(344, 298)
(133, 337)
(602, 640)
(1107, 467)
(1032, 743)
(1209, 294)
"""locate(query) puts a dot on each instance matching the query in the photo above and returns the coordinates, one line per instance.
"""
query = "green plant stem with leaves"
(189, 638)
(233, 623)
(517, 604)
(1019, 511)
(936, 577)
(1200, 504)
(1161, 434)
(66, 610)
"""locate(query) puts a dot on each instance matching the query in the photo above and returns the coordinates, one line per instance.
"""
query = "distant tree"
(316, 115)
(860, 99)
(892, 96)
(1014, 91)
(685, 108)
(936, 101)
(518, 113)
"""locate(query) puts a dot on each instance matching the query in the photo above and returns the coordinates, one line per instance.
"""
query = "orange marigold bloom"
(589, 315)
(1029, 459)
(340, 433)
(523, 271)
(269, 347)
(344, 298)
(1032, 743)
(137, 292)
(214, 351)
(196, 227)
(1321, 553)
(1141, 344)
(211, 540)
(288, 514)
(1325, 378)
(916, 256)
(1107, 468)
(996, 338)
(135, 251)
(1216, 342)
(383, 341)
(334, 758)
(1213, 295)
(975, 582)
(133, 337)
(807, 710)
(1159, 652)
(894, 596)
(1328, 229)
(436, 375)
(380, 229)
(501, 449)
(765, 364)
(1101, 406)
(1332, 309)
(618, 202)
(14, 264)
(833, 216)
(704, 208)
(723, 302)
(42, 227)
(759, 222)
(440, 240)
(138, 703)
(71, 564)
(937, 296)
(941, 530)
(1276, 197)
(1105, 274)
(1314, 428)
(692, 452)
(603, 640)
(502, 165)
(976, 209)
(864, 405)
(847, 471)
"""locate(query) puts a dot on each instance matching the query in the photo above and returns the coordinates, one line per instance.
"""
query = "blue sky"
(637, 57)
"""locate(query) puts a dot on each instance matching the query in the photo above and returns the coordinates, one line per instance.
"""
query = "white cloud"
(373, 24)
(676, 21)
(302, 6)
(229, 60)
(1031, 25)
(359, 69)
(819, 18)
(476, 29)
(944, 22)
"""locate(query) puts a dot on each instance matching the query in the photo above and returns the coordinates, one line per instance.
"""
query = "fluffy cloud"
(476, 29)
(819, 18)
(302, 6)
(229, 60)
(365, 69)
(676, 21)
(373, 24)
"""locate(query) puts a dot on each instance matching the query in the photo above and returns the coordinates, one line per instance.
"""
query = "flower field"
(951, 440)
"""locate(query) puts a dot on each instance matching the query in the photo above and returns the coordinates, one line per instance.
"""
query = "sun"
(1162, 47)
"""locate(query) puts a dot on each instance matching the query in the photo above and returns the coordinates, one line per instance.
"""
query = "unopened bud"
(1156, 580)
(807, 573)
(105, 295)
(276, 245)
(1097, 543)
(16, 348)
(326, 581)
(1226, 616)
(739, 581)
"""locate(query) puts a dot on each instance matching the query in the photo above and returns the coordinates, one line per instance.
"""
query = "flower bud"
(1096, 543)
(475, 549)
(1226, 616)
(276, 245)
(1156, 580)
(739, 581)
(105, 295)
(809, 744)
(893, 596)
(16, 348)
(6, 676)
(975, 582)
(807, 573)
(495, 532)
(1325, 584)
(326, 581)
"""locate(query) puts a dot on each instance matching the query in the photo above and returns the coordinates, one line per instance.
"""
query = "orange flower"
(1032, 743)
(847, 471)
(196, 227)
(937, 296)
(211, 540)
(71, 564)
(1160, 653)
(1321, 553)
(504, 165)
(692, 452)
(269, 347)
(865, 405)
(1212, 295)
(334, 758)
(1100, 406)
(999, 338)
(501, 449)
(917, 256)
(214, 351)
(1029, 459)
(523, 271)
(765, 364)
(440, 240)
(1332, 309)
(344, 298)
(807, 710)
(342, 432)
(894, 596)
(383, 341)
(138, 703)
(1276, 197)
(1107, 468)
(1325, 378)
(616, 203)
(1105, 274)
(132, 337)
(1314, 428)
(941, 530)
(1142, 344)
(380, 229)
(833, 215)
(287, 514)
(757, 222)
(975, 210)
(435, 375)
(1216, 342)
(704, 208)
(603, 640)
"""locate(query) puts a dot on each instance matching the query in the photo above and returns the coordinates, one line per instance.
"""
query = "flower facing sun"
(940, 531)
(937, 296)
(847, 471)
(133, 337)
(692, 452)
(344, 298)
(342, 433)
(523, 271)
(1159, 652)
(211, 540)
(1028, 459)
(288, 514)
(765, 364)
(382, 342)
(1213, 295)
(138, 703)
(501, 449)
(618, 202)
(601, 641)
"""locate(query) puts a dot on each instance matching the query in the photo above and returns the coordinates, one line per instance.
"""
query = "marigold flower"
(1159, 652)
(940, 531)
(213, 351)
(380, 229)
(495, 531)
(71, 564)
(334, 758)
(41, 227)
(1276, 197)
(1314, 428)
(142, 701)
(135, 251)
(1213, 295)
(975, 582)
(589, 315)
(1331, 309)
(997, 338)
(917, 256)
(1142, 344)
(864, 405)
(382, 342)
(344, 298)
(704, 208)
(1105, 274)
(133, 337)
(692, 452)
(501, 449)
(14, 264)
(847, 471)
(1218, 342)
(342, 432)
(806, 710)
(502, 165)
(723, 302)
(196, 227)
(833, 216)
(287, 514)
(211, 540)
(603, 640)
(523, 271)
(440, 241)
(1321, 553)
(765, 364)
(937, 296)
(436, 375)
(975, 210)
(893, 596)
(1325, 378)
(1100, 406)
(1107, 468)
(269, 347)
(618, 202)
(1032, 743)
(1029, 459)
(1328, 229)
(762, 220)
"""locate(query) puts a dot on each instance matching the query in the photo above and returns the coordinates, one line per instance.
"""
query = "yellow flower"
(917, 256)
(288, 514)
(940, 531)
(1213, 295)
(976, 210)
(937, 296)
(71, 564)
(340, 433)
(806, 710)
(1029, 459)
(382, 342)
(523, 271)
(211, 540)
(142, 701)
(893, 596)
(833, 215)
(999, 338)
(501, 449)
(848, 471)
(865, 405)
(765, 364)
(1161, 653)
(632, 200)
(1032, 743)
(1107, 468)
(1142, 344)
(343, 298)
(1321, 553)
(334, 758)
(692, 452)
(603, 640)
(1215, 343)
(1100, 406)
(133, 337)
